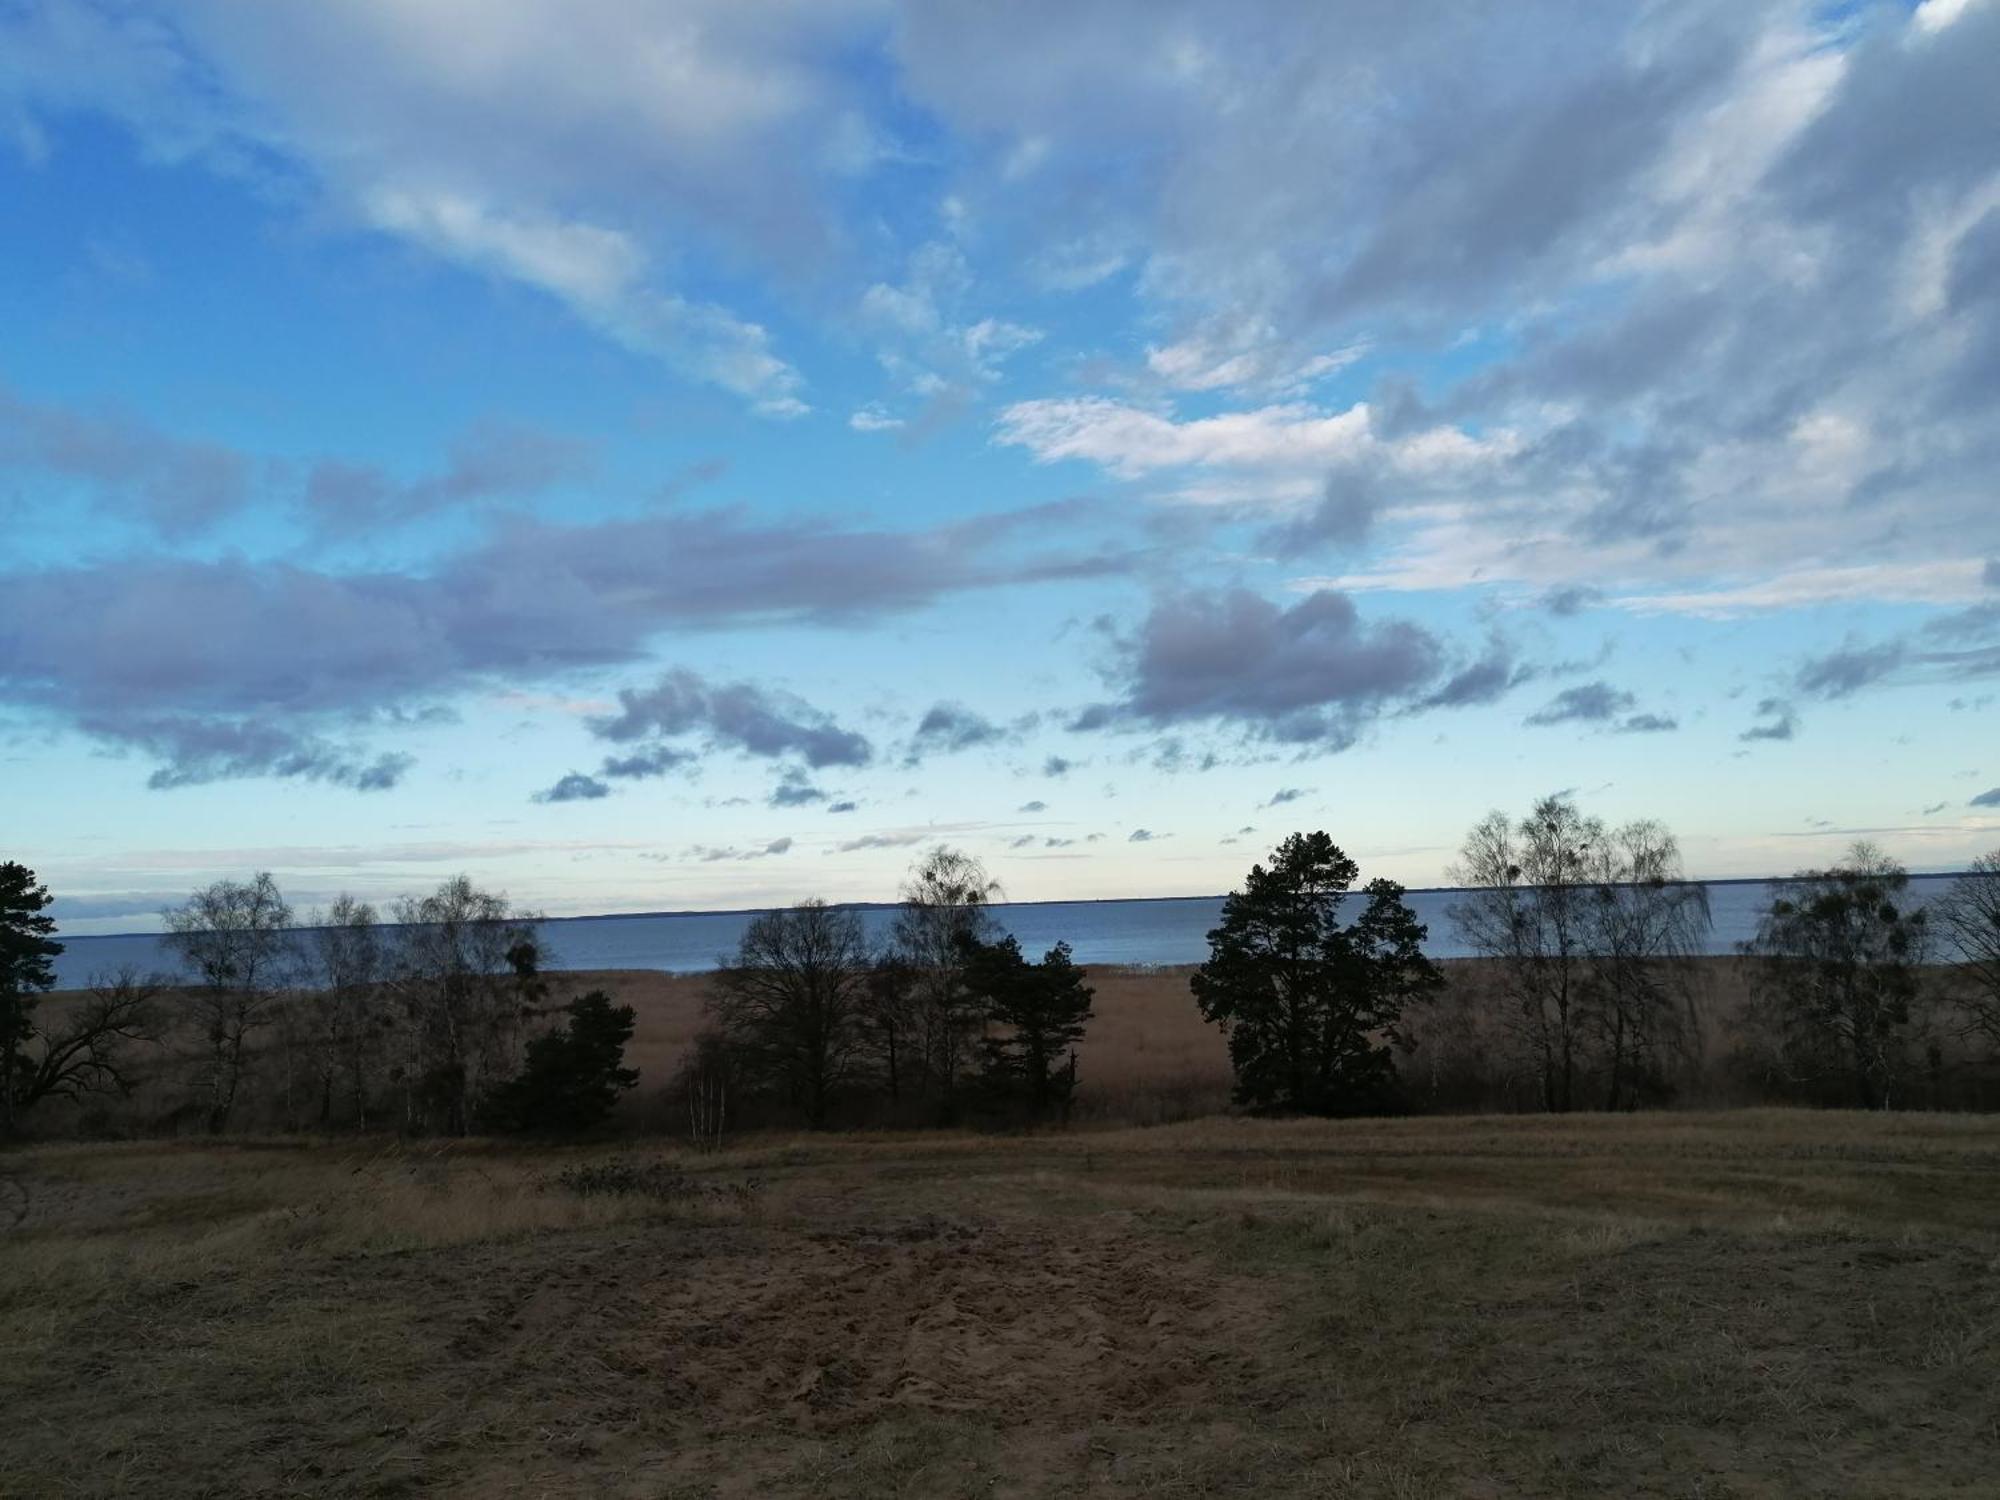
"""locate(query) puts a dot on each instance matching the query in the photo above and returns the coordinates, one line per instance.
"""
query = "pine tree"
(1040, 1008)
(573, 1076)
(1311, 1006)
(27, 969)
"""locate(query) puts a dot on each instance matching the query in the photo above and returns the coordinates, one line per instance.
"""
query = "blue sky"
(696, 456)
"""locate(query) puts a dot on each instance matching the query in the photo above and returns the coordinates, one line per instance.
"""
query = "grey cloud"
(1571, 599)
(1485, 680)
(952, 726)
(492, 462)
(1649, 724)
(709, 855)
(842, 807)
(575, 787)
(179, 486)
(194, 750)
(116, 645)
(1056, 765)
(1849, 669)
(1990, 574)
(653, 760)
(1781, 723)
(1990, 798)
(1022, 842)
(1312, 674)
(1589, 702)
(794, 790)
(879, 841)
(1342, 519)
(739, 715)
(1287, 794)
(1143, 836)
(93, 908)
(1034, 807)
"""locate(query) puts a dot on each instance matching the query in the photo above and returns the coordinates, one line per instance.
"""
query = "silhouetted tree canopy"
(27, 969)
(572, 1076)
(1839, 968)
(791, 1003)
(1310, 1005)
(1040, 1010)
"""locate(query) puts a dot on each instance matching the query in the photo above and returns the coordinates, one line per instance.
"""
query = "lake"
(1131, 933)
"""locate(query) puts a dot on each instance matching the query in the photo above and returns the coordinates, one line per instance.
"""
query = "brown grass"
(1756, 1303)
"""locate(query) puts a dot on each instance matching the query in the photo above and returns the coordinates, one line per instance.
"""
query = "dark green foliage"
(1040, 1008)
(26, 970)
(573, 1076)
(1311, 1006)
(1839, 968)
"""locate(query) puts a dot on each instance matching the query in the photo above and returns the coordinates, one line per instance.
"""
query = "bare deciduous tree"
(466, 973)
(236, 938)
(87, 1050)
(790, 1004)
(348, 959)
(1649, 924)
(1593, 932)
(1967, 923)
(944, 910)
(1527, 906)
(1838, 971)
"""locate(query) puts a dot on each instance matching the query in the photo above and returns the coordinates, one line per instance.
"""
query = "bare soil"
(1754, 1303)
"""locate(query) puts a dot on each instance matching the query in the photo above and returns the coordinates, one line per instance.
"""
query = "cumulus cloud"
(1033, 807)
(195, 750)
(1781, 722)
(1057, 766)
(1989, 798)
(795, 790)
(737, 716)
(652, 760)
(1311, 674)
(952, 726)
(575, 787)
(118, 648)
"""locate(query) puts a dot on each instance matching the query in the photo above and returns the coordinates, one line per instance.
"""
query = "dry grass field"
(1756, 1303)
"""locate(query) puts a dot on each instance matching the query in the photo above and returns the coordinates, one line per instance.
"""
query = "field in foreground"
(1754, 1303)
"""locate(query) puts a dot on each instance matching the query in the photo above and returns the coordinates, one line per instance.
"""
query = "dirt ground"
(1746, 1304)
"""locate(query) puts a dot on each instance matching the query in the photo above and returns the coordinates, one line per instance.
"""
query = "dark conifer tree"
(1311, 1005)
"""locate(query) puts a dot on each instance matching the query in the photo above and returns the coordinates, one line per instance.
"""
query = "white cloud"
(1131, 441)
(575, 149)
(1898, 583)
(874, 419)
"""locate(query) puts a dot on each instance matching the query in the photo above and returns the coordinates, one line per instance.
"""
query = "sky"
(660, 457)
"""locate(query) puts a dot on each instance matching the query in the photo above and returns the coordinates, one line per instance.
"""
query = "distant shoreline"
(748, 911)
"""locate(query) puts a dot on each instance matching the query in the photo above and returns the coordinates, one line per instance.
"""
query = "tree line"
(441, 1017)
